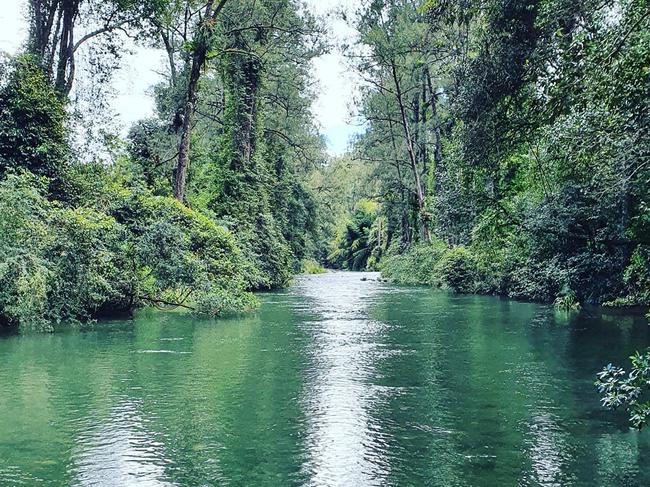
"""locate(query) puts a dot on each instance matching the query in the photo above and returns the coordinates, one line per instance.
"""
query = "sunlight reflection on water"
(346, 446)
(340, 380)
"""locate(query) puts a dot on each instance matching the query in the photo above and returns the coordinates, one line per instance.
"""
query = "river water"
(336, 381)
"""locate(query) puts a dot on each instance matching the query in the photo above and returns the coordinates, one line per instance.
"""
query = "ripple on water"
(335, 381)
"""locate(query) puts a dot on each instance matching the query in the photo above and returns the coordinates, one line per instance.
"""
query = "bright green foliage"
(59, 263)
(312, 267)
(567, 302)
(435, 264)
(183, 256)
(637, 277)
(358, 243)
(78, 263)
(33, 135)
(415, 266)
(629, 391)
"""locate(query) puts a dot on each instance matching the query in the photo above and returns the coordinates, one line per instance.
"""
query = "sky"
(140, 71)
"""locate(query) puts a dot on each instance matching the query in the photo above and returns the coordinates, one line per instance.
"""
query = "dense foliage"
(508, 143)
(130, 249)
(32, 121)
(506, 152)
(203, 203)
(513, 139)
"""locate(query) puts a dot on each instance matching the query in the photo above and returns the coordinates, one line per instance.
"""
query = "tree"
(33, 132)
(54, 39)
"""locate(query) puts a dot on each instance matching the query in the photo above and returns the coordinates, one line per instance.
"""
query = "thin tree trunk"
(198, 60)
(180, 173)
(424, 231)
(437, 152)
(406, 228)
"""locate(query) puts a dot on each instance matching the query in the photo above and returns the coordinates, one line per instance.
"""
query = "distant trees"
(510, 142)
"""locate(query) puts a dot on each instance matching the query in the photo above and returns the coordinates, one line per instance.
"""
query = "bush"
(531, 280)
(186, 253)
(456, 270)
(637, 277)
(436, 265)
(58, 263)
(567, 302)
(74, 264)
(416, 266)
(312, 267)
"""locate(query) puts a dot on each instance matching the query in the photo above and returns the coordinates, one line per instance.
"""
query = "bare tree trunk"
(180, 173)
(437, 152)
(406, 227)
(170, 54)
(42, 14)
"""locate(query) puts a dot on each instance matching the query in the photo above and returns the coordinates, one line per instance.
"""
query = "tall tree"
(201, 42)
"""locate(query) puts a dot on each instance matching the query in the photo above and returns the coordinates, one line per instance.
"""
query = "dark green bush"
(415, 266)
(456, 270)
(33, 133)
(434, 264)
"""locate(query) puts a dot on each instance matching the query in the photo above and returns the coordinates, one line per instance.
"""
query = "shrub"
(531, 280)
(416, 266)
(57, 263)
(181, 256)
(456, 269)
(312, 267)
(74, 264)
(567, 302)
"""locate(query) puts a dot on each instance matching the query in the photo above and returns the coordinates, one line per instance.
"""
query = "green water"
(335, 381)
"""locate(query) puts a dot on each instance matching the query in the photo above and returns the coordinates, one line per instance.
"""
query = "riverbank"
(466, 271)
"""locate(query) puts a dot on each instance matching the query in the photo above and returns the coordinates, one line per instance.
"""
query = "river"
(335, 381)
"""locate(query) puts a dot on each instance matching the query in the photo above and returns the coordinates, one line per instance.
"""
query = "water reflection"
(333, 382)
(120, 453)
(345, 444)
(547, 450)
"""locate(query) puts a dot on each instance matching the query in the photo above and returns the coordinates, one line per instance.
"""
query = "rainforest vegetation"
(507, 145)
(200, 204)
(505, 150)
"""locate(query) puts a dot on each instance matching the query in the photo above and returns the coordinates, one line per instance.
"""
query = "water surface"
(335, 381)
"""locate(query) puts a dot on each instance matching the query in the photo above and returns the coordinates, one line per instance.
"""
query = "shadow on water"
(335, 381)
